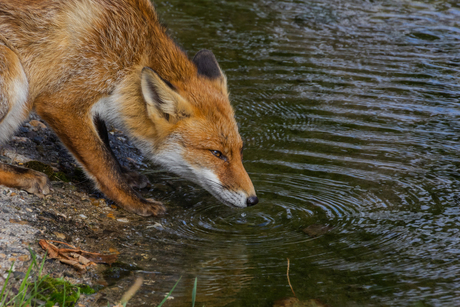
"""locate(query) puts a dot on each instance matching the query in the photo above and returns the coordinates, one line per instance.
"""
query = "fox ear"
(162, 98)
(207, 66)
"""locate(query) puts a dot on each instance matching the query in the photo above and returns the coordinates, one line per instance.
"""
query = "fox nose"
(252, 201)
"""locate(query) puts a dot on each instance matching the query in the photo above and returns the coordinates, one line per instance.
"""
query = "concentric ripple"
(350, 115)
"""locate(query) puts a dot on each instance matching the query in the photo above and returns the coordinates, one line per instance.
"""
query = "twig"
(289, 280)
(129, 294)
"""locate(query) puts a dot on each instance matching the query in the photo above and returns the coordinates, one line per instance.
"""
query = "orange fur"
(87, 58)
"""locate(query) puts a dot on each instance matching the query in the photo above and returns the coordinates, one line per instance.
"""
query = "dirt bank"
(74, 212)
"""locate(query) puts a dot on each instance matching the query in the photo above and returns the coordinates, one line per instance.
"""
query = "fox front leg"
(79, 134)
(135, 180)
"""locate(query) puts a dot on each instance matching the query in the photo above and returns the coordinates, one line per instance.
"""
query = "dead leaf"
(75, 257)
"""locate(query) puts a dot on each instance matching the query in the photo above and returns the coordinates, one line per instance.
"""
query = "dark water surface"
(350, 113)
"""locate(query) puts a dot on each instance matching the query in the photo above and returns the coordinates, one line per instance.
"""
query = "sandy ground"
(74, 212)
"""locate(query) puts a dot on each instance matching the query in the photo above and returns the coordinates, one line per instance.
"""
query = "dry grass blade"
(288, 278)
(129, 294)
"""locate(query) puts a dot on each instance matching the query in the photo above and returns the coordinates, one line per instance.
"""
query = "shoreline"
(74, 212)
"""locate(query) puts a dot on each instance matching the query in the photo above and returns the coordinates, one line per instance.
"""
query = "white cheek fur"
(172, 159)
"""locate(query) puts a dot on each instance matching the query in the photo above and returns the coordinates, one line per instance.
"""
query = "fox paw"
(135, 180)
(152, 208)
(36, 183)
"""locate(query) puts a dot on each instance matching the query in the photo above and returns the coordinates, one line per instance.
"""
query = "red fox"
(79, 63)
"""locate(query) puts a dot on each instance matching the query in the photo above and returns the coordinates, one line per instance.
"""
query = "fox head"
(196, 135)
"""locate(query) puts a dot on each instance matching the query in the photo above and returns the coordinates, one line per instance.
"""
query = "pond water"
(350, 114)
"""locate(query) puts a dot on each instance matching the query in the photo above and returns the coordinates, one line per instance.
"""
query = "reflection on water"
(350, 114)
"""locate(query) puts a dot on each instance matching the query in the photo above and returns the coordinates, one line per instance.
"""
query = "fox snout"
(235, 188)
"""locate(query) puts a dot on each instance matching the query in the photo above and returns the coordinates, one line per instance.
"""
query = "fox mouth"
(229, 198)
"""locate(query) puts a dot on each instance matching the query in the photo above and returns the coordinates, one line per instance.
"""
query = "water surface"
(350, 115)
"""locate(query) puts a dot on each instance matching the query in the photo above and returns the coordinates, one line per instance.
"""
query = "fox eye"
(219, 155)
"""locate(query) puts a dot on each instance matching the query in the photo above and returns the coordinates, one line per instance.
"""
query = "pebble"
(23, 258)
(59, 235)
(83, 216)
(19, 275)
(123, 220)
(317, 230)
(20, 139)
(37, 140)
(37, 124)
(22, 130)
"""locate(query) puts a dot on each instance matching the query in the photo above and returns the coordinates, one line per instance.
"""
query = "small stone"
(123, 220)
(113, 251)
(83, 216)
(287, 302)
(37, 124)
(94, 201)
(2, 256)
(69, 274)
(317, 230)
(59, 235)
(23, 130)
(38, 140)
(12, 259)
(20, 139)
(13, 194)
(19, 275)
(23, 258)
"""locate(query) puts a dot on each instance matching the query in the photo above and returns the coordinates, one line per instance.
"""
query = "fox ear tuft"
(207, 66)
(161, 97)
